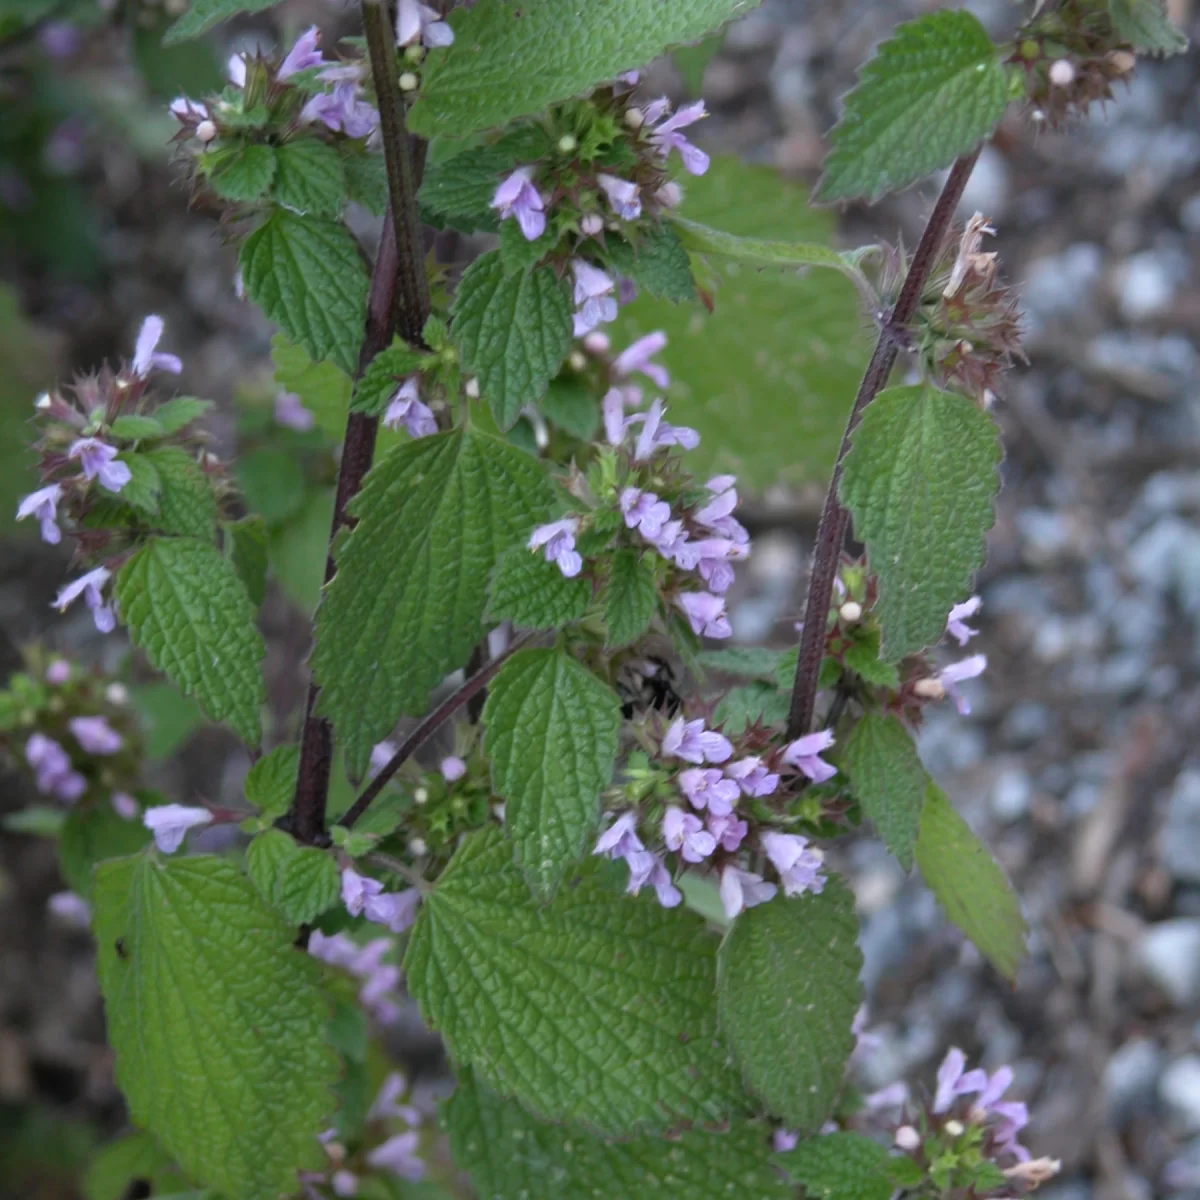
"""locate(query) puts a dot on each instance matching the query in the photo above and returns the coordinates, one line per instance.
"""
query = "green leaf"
(787, 993)
(136, 1156)
(383, 376)
(632, 597)
(178, 413)
(246, 548)
(513, 332)
(298, 550)
(534, 594)
(754, 704)
(887, 777)
(300, 881)
(187, 609)
(306, 273)
(753, 662)
(91, 835)
(406, 605)
(970, 884)
(1145, 25)
(518, 253)
(571, 405)
(552, 738)
(271, 782)
(599, 1008)
(170, 718)
(761, 252)
(770, 406)
(512, 1156)
(366, 181)
(472, 85)
(217, 1022)
(38, 820)
(135, 427)
(933, 91)
(324, 388)
(841, 1166)
(920, 481)
(862, 657)
(202, 15)
(272, 481)
(309, 178)
(144, 486)
(659, 264)
(242, 173)
(186, 504)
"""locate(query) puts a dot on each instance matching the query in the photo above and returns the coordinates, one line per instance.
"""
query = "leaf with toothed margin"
(300, 881)
(202, 15)
(631, 599)
(841, 1166)
(1145, 25)
(535, 594)
(598, 1008)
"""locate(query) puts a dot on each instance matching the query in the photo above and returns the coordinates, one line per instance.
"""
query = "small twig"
(835, 520)
(432, 722)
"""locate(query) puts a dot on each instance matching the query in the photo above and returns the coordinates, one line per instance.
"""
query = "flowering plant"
(616, 898)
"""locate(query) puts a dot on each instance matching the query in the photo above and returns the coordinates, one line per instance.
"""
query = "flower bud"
(206, 131)
(929, 689)
(635, 118)
(116, 693)
(421, 796)
(1062, 73)
(417, 847)
(670, 195)
(954, 1128)
(591, 224)
(577, 361)
(907, 1138)
(414, 53)
(409, 82)
(43, 401)
(851, 612)
(471, 387)
(597, 342)
(567, 144)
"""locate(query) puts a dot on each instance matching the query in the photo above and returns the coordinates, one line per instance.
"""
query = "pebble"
(1180, 839)
(1011, 795)
(1179, 1091)
(1055, 286)
(1131, 1078)
(1167, 558)
(1147, 286)
(1168, 954)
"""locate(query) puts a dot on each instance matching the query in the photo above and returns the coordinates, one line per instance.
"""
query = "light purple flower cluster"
(52, 769)
(90, 586)
(665, 136)
(798, 864)
(146, 355)
(408, 409)
(364, 896)
(342, 110)
(595, 303)
(380, 980)
(43, 504)
(418, 22)
(956, 623)
(558, 541)
(620, 840)
(96, 735)
(1006, 1117)
(805, 755)
(170, 824)
(518, 196)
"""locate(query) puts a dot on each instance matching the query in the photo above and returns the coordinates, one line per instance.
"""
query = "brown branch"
(835, 520)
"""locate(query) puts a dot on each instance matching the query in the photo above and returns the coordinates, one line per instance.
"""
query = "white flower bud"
(421, 796)
(929, 689)
(409, 82)
(851, 612)
(954, 1128)
(635, 118)
(206, 131)
(567, 144)
(670, 194)
(43, 401)
(1035, 1171)
(1062, 73)
(591, 224)
(117, 693)
(471, 387)
(577, 361)
(415, 52)
(417, 847)
(597, 342)
(907, 1138)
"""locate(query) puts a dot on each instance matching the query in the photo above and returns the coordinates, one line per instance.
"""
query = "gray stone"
(1054, 286)
(1147, 285)
(1180, 839)
(1131, 1078)
(1168, 954)
(1179, 1091)
(1011, 793)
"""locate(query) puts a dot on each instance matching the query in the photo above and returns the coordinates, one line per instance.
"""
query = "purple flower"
(707, 787)
(344, 1183)
(58, 672)
(96, 459)
(453, 768)
(125, 806)
(593, 297)
(145, 355)
(399, 1154)
(743, 889)
(235, 70)
(52, 769)
(895, 1095)
(342, 111)
(303, 54)
(627, 290)
(406, 406)
(96, 735)
(645, 512)
(385, 1105)
(866, 1043)
(705, 613)
(43, 504)
(729, 831)
(336, 949)
(657, 433)
(752, 777)
(89, 586)
(646, 868)
(952, 1082)
(686, 834)
(804, 755)
(170, 822)
(638, 358)
(622, 196)
(186, 109)
(414, 20)
(558, 537)
(291, 413)
(518, 197)
(71, 908)
(956, 673)
(395, 910)
(60, 39)
(616, 423)
(693, 743)
(620, 839)
(717, 513)
(799, 867)
(381, 754)
(956, 625)
(666, 137)
(783, 1140)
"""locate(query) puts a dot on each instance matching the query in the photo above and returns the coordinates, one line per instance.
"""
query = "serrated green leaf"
(243, 173)
(472, 85)
(513, 332)
(534, 594)
(841, 1166)
(754, 704)
(658, 264)
(246, 546)
(38, 820)
(889, 780)
(307, 275)
(323, 387)
(271, 782)
(571, 405)
(862, 657)
(144, 486)
(186, 503)
(753, 662)
(598, 1008)
(406, 605)
(272, 482)
(217, 1021)
(366, 181)
(552, 738)
(92, 835)
(631, 599)
(202, 15)
(920, 481)
(135, 427)
(970, 884)
(309, 178)
(178, 413)
(512, 1156)
(787, 993)
(186, 608)
(770, 406)
(136, 1156)
(762, 252)
(1145, 25)
(383, 376)
(933, 91)
(518, 253)
(300, 881)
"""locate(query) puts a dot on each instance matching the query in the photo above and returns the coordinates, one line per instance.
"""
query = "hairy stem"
(835, 520)
(469, 689)
(398, 300)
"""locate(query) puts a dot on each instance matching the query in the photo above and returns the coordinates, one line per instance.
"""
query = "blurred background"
(1080, 764)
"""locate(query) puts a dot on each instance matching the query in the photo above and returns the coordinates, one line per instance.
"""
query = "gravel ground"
(1079, 765)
